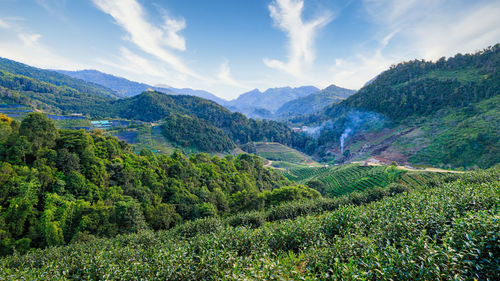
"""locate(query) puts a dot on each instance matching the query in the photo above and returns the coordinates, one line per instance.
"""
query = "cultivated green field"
(447, 230)
(145, 137)
(338, 180)
(277, 152)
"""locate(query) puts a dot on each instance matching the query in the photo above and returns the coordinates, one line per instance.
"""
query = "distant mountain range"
(314, 102)
(127, 88)
(186, 120)
(256, 103)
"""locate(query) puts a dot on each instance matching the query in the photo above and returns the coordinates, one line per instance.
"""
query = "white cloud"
(287, 15)
(148, 37)
(466, 31)
(354, 72)
(225, 76)
(133, 63)
(24, 45)
(54, 7)
(4, 25)
(435, 28)
(29, 39)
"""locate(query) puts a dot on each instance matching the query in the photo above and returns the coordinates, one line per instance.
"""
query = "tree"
(39, 130)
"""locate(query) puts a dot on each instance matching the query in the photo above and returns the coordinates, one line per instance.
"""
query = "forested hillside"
(420, 88)
(77, 96)
(55, 78)
(445, 113)
(127, 88)
(19, 89)
(154, 106)
(59, 186)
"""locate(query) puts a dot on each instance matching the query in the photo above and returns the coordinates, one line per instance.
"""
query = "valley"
(102, 177)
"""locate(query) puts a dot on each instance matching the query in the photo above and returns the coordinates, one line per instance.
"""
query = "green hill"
(61, 186)
(55, 78)
(443, 113)
(206, 115)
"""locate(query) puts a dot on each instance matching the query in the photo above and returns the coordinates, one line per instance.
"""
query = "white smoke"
(344, 135)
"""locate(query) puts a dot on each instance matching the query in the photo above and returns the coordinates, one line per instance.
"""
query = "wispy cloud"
(130, 62)
(436, 28)
(24, 45)
(287, 15)
(467, 30)
(54, 7)
(29, 39)
(4, 24)
(226, 77)
(153, 39)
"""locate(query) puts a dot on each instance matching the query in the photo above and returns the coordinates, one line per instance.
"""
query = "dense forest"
(190, 132)
(60, 186)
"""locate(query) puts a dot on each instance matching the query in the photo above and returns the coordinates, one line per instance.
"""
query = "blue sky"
(232, 46)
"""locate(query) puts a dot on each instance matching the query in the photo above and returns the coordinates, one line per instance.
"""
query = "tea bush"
(448, 231)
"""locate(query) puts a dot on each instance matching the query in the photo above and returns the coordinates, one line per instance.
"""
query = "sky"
(229, 47)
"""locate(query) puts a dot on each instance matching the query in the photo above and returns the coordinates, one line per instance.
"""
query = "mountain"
(186, 120)
(127, 88)
(155, 106)
(191, 92)
(270, 100)
(314, 102)
(445, 113)
(55, 78)
(124, 87)
(50, 91)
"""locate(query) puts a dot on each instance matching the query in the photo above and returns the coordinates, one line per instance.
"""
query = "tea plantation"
(446, 230)
(339, 180)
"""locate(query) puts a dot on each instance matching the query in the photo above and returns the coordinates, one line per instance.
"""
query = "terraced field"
(339, 180)
(278, 152)
(145, 137)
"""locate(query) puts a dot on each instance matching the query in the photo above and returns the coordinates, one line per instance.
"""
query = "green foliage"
(55, 78)
(277, 152)
(469, 139)
(20, 89)
(191, 132)
(339, 180)
(445, 232)
(59, 186)
(39, 130)
(452, 107)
